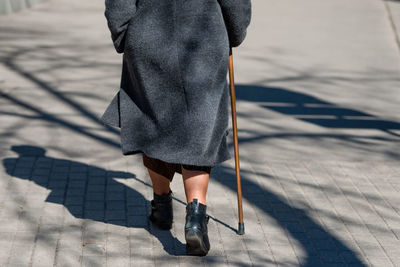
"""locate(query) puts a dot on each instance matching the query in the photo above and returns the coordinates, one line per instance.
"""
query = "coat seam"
(182, 84)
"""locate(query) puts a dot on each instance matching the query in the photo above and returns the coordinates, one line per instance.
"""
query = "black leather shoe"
(161, 211)
(196, 231)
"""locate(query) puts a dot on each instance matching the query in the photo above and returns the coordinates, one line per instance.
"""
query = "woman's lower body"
(195, 180)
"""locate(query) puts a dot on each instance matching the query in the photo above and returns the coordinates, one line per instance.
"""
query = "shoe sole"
(195, 245)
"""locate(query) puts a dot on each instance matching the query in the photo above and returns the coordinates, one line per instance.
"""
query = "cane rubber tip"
(241, 229)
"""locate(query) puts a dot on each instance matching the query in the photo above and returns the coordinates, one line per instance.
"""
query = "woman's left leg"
(161, 174)
(161, 184)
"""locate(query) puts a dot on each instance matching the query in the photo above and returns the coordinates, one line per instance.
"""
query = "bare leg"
(196, 185)
(160, 183)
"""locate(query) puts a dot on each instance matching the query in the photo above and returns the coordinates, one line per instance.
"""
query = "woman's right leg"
(196, 184)
(196, 230)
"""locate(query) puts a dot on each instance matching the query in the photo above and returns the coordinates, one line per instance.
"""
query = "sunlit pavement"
(319, 140)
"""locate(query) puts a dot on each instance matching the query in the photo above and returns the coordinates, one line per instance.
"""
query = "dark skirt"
(167, 169)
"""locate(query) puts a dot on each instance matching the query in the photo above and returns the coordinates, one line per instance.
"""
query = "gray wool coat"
(173, 102)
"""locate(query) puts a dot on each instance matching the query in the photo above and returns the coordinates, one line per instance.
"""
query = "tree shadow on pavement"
(321, 248)
(312, 109)
(88, 192)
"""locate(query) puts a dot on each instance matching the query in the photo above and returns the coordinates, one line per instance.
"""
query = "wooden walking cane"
(236, 144)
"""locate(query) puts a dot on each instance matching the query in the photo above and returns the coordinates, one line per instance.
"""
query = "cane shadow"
(88, 191)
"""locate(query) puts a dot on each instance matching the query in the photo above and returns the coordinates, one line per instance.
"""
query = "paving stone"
(21, 254)
(44, 252)
(93, 261)
(68, 257)
(94, 205)
(376, 261)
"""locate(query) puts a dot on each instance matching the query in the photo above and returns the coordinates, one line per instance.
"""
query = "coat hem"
(141, 150)
(226, 156)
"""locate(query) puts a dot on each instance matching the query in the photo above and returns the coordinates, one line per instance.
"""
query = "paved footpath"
(319, 125)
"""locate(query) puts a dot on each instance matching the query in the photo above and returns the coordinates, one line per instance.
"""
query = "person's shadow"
(88, 192)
